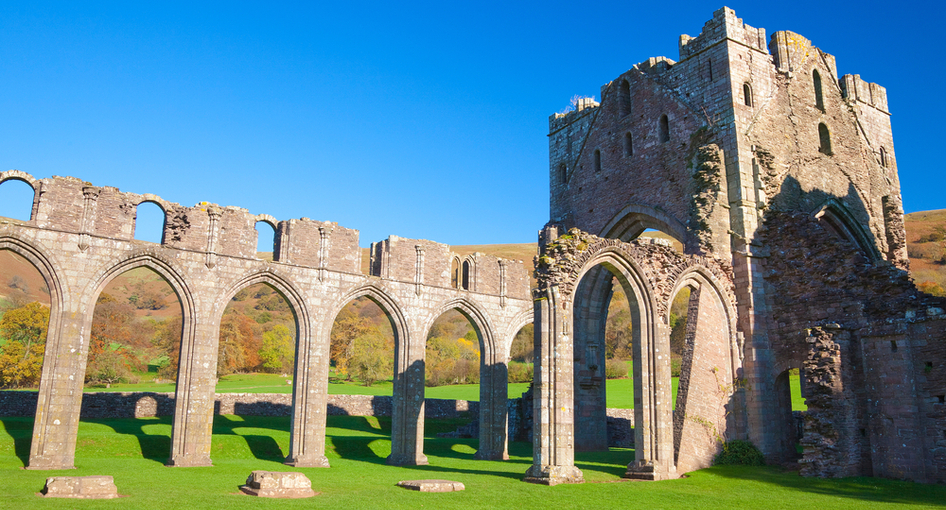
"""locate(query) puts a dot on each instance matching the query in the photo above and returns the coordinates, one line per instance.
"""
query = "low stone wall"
(146, 404)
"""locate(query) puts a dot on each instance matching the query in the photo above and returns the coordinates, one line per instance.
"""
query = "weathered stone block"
(83, 487)
(276, 484)
(431, 485)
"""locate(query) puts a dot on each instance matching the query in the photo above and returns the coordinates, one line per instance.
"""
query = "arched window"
(624, 96)
(819, 97)
(562, 173)
(265, 240)
(664, 130)
(628, 145)
(747, 94)
(149, 222)
(465, 282)
(825, 137)
(455, 273)
(16, 199)
(883, 157)
(597, 160)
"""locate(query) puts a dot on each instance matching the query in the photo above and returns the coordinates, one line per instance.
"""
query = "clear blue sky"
(426, 120)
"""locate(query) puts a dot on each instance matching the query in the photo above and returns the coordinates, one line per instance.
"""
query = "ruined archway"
(407, 435)
(565, 312)
(307, 433)
(492, 378)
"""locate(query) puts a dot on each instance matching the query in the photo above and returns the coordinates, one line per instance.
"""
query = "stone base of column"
(648, 470)
(554, 475)
(48, 464)
(190, 461)
(317, 461)
(404, 460)
(490, 455)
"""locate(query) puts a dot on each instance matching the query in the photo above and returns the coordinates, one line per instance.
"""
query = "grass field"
(133, 452)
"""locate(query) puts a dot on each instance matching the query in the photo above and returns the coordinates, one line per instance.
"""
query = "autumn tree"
(277, 351)
(348, 327)
(372, 357)
(21, 357)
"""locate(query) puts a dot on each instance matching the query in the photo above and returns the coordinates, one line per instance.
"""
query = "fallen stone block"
(276, 484)
(431, 485)
(85, 487)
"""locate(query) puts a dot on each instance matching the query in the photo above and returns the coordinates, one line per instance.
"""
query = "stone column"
(407, 416)
(195, 393)
(553, 433)
(310, 402)
(494, 380)
(60, 394)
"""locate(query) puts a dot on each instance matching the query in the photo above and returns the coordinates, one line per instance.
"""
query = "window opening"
(664, 129)
(628, 145)
(825, 137)
(883, 157)
(562, 173)
(819, 97)
(625, 97)
(597, 160)
(265, 240)
(149, 222)
(465, 280)
(747, 94)
(16, 200)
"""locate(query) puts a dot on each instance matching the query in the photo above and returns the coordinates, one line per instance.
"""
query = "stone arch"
(709, 369)
(407, 413)
(519, 321)
(16, 175)
(559, 276)
(53, 443)
(189, 446)
(162, 204)
(305, 447)
(634, 219)
(837, 219)
(493, 377)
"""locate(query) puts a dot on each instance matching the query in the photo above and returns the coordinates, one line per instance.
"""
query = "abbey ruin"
(776, 175)
(779, 178)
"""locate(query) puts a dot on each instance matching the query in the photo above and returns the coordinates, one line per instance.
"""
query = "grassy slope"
(132, 451)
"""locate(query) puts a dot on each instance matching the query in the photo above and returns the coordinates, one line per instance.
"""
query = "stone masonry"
(779, 177)
(80, 236)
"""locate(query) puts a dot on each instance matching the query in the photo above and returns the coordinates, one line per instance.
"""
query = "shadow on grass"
(878, 490)
(21, 431)
(613, 462)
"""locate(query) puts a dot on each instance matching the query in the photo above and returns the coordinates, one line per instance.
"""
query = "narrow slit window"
(597, 160)
(455, 274)
(562, 173)
(747, 94)
(465, 282)
(883, 157)
(664, 129)
(819, 97)
(628, 145)
(825, 137)
(625, 98)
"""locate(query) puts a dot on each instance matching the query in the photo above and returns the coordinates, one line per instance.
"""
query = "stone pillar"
(195, 394)
(309, 401)
(407, 416)
(553, 433)
(494, 380)
(60, 394)
(653, 398)
(591, 313)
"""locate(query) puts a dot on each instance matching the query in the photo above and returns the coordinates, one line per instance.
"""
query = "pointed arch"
(634, 219)
(16, 175)
(838, 219)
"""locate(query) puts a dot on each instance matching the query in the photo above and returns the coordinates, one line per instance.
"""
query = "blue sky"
(423, 120)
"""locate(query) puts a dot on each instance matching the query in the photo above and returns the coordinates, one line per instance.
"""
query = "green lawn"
(133, 452)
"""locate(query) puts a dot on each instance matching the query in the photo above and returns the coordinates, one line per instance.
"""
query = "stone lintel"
(277, 484)
(554, 475)
(82, 487)
(431, 485)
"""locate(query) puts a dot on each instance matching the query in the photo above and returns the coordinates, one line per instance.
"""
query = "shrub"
(739, 453)
(520, 372)
(615, 369)
(676, 365)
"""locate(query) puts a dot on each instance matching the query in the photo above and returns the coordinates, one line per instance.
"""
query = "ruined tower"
(755, 153)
